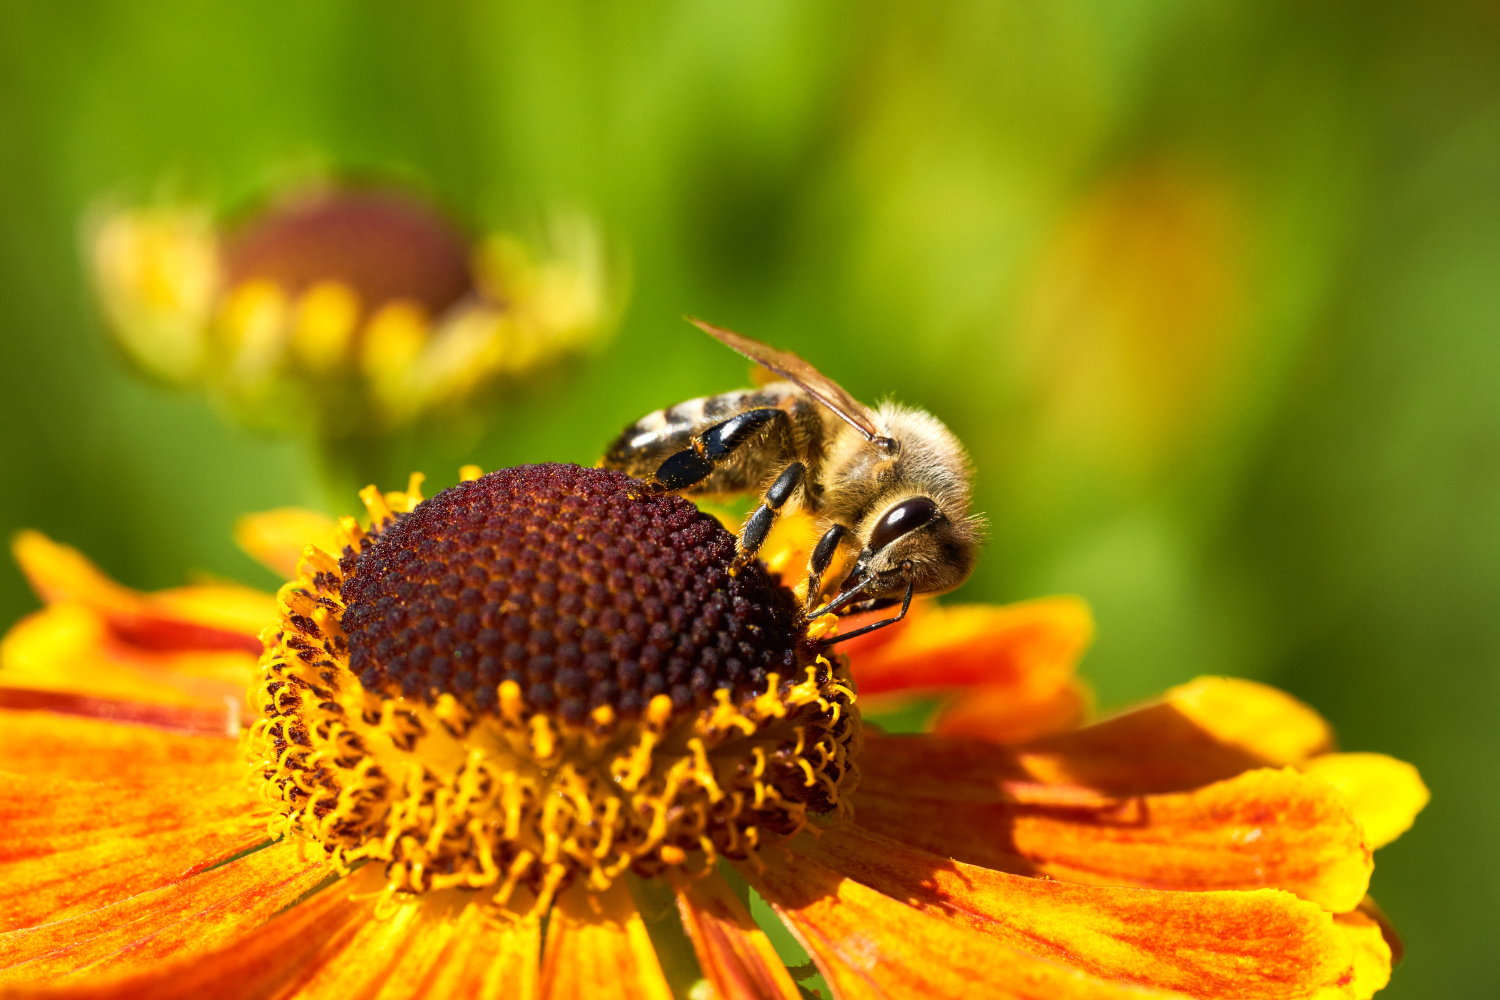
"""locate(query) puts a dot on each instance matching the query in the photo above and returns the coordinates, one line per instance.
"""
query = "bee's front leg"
(758, 525)
(822, 557)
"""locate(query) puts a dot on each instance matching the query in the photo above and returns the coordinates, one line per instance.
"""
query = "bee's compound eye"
(908, 515)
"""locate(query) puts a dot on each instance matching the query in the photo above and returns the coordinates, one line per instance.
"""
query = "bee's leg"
(822, 557)
(758, 525)
(693, 464)
(905, 605)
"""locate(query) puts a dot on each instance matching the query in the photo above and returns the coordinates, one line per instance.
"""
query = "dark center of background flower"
(575, 584)
(383, 246)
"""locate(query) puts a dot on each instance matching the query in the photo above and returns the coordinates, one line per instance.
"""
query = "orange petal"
(1385, 793)
(71, 846)
(277, 538)
(867, 944)
(1002, 714)
(59, 746)
(1262, 944)
(485, 959)
(1031, 647)
(70, 648)
(1261, 829)
(737, 958)
(444, 945)
(273, 959)
(598, 949)
(189, 916)
(1156, 748)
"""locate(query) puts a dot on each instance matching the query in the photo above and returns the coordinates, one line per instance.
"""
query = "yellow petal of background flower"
(1385, 793)
(1260, 944)
(598, 949)
(276, 538)
(869, 945)
(737, 958)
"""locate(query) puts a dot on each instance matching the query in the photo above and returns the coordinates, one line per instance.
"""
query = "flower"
(346, 308)
(485, 741)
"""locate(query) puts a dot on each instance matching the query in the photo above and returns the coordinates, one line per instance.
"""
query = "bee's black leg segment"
(905, 605)
(721, 439)
(682, 470)
(691, 466)
(753, 535)
(822, 558)
(755, 530)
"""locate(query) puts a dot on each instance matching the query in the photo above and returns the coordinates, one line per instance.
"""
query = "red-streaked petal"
(70, 648)
(190, 916)
(1001, 714)
(598, 949)
(272, 960)
(205, 617)
(868, 945)
(1262, 944)
(181, 720)
(1032, 647)
(1261, 829)
(71, 846)
(93, 749)
(736, 956)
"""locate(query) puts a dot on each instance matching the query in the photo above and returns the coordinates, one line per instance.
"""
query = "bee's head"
(913, 541)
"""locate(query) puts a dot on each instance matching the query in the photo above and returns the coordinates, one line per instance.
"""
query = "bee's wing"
(786, 364)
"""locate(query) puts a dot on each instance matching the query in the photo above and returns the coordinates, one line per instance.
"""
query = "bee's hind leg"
(758, 525)
(697, 462)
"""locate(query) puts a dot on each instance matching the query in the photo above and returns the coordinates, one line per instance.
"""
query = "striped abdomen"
(644, 445)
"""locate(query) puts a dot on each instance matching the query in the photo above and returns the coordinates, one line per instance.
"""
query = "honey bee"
(888, 485)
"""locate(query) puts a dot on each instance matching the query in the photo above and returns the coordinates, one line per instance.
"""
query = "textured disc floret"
(544, 674)
(573, 583)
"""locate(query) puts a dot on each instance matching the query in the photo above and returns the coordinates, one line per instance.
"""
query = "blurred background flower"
(345, 313)
(1209, 291)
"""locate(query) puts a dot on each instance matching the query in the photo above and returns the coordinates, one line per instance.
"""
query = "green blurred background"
(1212, 291)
